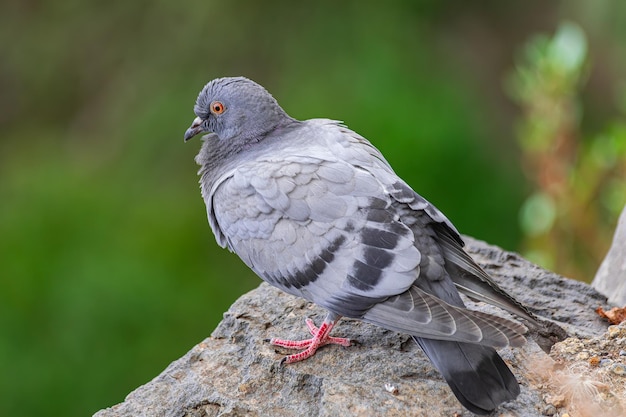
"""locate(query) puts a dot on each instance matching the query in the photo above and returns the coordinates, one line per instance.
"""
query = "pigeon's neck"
(274, 119)
(219, 155)
(215, 155)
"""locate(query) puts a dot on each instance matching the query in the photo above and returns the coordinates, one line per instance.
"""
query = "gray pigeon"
(314, 209)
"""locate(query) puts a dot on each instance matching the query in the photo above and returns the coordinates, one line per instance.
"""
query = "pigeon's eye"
(217, 107)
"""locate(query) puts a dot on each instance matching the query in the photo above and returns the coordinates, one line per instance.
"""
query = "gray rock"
(235, 373)
(611, 276)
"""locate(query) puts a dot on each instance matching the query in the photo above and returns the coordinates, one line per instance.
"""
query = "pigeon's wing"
(327, 230)
(468, 277)
(437, 283)
(309, 226)
(473, 281)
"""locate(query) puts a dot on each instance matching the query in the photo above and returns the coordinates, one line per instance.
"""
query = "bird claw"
(320, 338)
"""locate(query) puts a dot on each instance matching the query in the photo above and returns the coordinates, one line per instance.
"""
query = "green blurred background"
(108, 269)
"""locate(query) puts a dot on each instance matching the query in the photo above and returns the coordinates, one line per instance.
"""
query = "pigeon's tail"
(477, 375)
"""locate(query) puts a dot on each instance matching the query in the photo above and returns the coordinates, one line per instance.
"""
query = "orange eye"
(217, 107)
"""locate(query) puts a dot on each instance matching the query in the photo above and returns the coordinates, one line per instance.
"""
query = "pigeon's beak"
(196, 127)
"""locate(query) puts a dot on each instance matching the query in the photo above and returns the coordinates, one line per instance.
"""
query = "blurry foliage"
(580, 180)
(108, 269)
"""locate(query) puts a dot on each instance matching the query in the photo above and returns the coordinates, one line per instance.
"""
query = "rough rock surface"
(588, 376)
(235, 373)
(611, 276)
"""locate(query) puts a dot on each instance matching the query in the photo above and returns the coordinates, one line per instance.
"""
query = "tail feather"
(476, 374)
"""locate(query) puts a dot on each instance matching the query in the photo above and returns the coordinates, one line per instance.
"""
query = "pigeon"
(314, 209)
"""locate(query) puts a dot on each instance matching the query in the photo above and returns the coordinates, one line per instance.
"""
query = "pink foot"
(320, 338)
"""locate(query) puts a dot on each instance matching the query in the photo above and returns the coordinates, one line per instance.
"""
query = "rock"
(611, 276)
(235, 373)
(594, 387)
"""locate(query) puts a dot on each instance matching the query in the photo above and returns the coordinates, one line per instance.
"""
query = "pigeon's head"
(236, 108)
